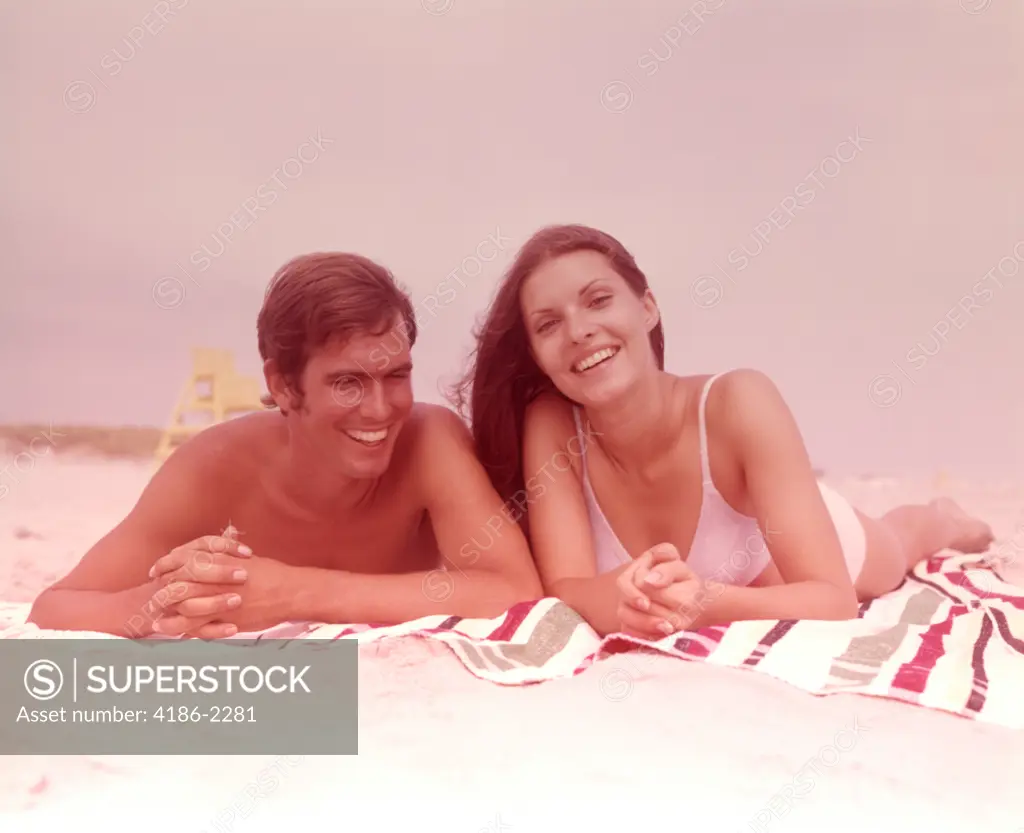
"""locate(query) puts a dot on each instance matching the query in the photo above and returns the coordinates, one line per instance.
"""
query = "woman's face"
(589, 332)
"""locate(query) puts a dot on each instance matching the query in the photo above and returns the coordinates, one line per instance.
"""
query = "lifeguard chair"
(215, 392)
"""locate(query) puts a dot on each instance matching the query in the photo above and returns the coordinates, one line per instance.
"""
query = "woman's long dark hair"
(503, 378)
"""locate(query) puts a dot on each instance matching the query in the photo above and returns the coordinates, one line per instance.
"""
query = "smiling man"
(348, 496)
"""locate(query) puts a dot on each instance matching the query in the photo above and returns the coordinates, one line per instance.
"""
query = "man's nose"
(375, 404)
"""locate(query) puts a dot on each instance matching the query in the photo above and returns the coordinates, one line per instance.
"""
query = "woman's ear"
(652, 315)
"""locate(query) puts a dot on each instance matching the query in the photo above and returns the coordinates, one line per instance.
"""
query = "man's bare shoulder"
(428, 423)
(435, 443)
(233, 450)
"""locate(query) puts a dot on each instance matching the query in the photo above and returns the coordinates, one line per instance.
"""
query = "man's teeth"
(368, 436)
(596, 358)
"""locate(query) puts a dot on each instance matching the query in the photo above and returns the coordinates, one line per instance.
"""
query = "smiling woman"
(505, 375)
(589, 330)
(692, 500)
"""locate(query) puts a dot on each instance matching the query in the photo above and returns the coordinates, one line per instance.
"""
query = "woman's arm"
(747, 411)
(560, 537)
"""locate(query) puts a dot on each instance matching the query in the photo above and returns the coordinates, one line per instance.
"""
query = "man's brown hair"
(323, 296)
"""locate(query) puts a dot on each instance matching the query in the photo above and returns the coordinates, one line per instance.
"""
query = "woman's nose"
(580, 328)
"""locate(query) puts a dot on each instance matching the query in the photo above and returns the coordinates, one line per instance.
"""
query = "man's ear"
(282, 395)
(652, 315)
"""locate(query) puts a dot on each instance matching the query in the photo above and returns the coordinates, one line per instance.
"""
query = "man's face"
(358, 395)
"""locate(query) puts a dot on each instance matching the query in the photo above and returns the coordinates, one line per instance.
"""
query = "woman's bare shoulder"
(741, 384)
(549, 412)
(746, 401)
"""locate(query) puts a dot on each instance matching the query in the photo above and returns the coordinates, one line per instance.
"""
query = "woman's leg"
(901, 538)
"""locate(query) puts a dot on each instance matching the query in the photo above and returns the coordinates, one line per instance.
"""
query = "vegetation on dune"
(129, 441)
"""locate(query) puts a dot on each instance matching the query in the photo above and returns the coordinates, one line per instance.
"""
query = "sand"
(691, 745)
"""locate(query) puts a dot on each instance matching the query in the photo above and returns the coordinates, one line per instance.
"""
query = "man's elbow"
(512, 589)
(43, 609)
(528, 587)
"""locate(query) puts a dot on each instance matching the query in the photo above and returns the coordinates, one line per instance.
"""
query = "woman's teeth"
(368, 437)
(595, 359)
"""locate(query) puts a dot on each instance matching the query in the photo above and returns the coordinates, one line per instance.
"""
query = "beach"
(803, 188)
(691, 739)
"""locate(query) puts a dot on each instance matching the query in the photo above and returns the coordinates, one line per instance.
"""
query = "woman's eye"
(546, 326)
(600, 300)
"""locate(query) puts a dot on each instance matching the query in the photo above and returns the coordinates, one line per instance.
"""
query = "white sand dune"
(692, 746)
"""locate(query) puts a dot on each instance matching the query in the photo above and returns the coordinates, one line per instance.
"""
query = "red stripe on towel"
(688, 644)
(913, 675)
(961, 580)
(1003, 625)
(976, 702)
(942, 591)
(692, 647)
(768, 640)
(513, 619)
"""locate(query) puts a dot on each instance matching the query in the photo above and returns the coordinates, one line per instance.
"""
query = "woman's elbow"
(843, 603)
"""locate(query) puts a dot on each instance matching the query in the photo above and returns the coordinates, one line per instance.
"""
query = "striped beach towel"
(951, 638)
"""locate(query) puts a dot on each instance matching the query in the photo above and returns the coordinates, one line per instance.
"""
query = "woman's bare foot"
(966, 534)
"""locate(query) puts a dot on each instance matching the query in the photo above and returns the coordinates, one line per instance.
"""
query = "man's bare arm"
(109, 590)
(488, 567)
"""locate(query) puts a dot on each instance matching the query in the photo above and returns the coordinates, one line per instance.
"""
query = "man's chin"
(368, 467)
(367, 472)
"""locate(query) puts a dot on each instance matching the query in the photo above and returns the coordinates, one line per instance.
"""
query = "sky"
(827, 190)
